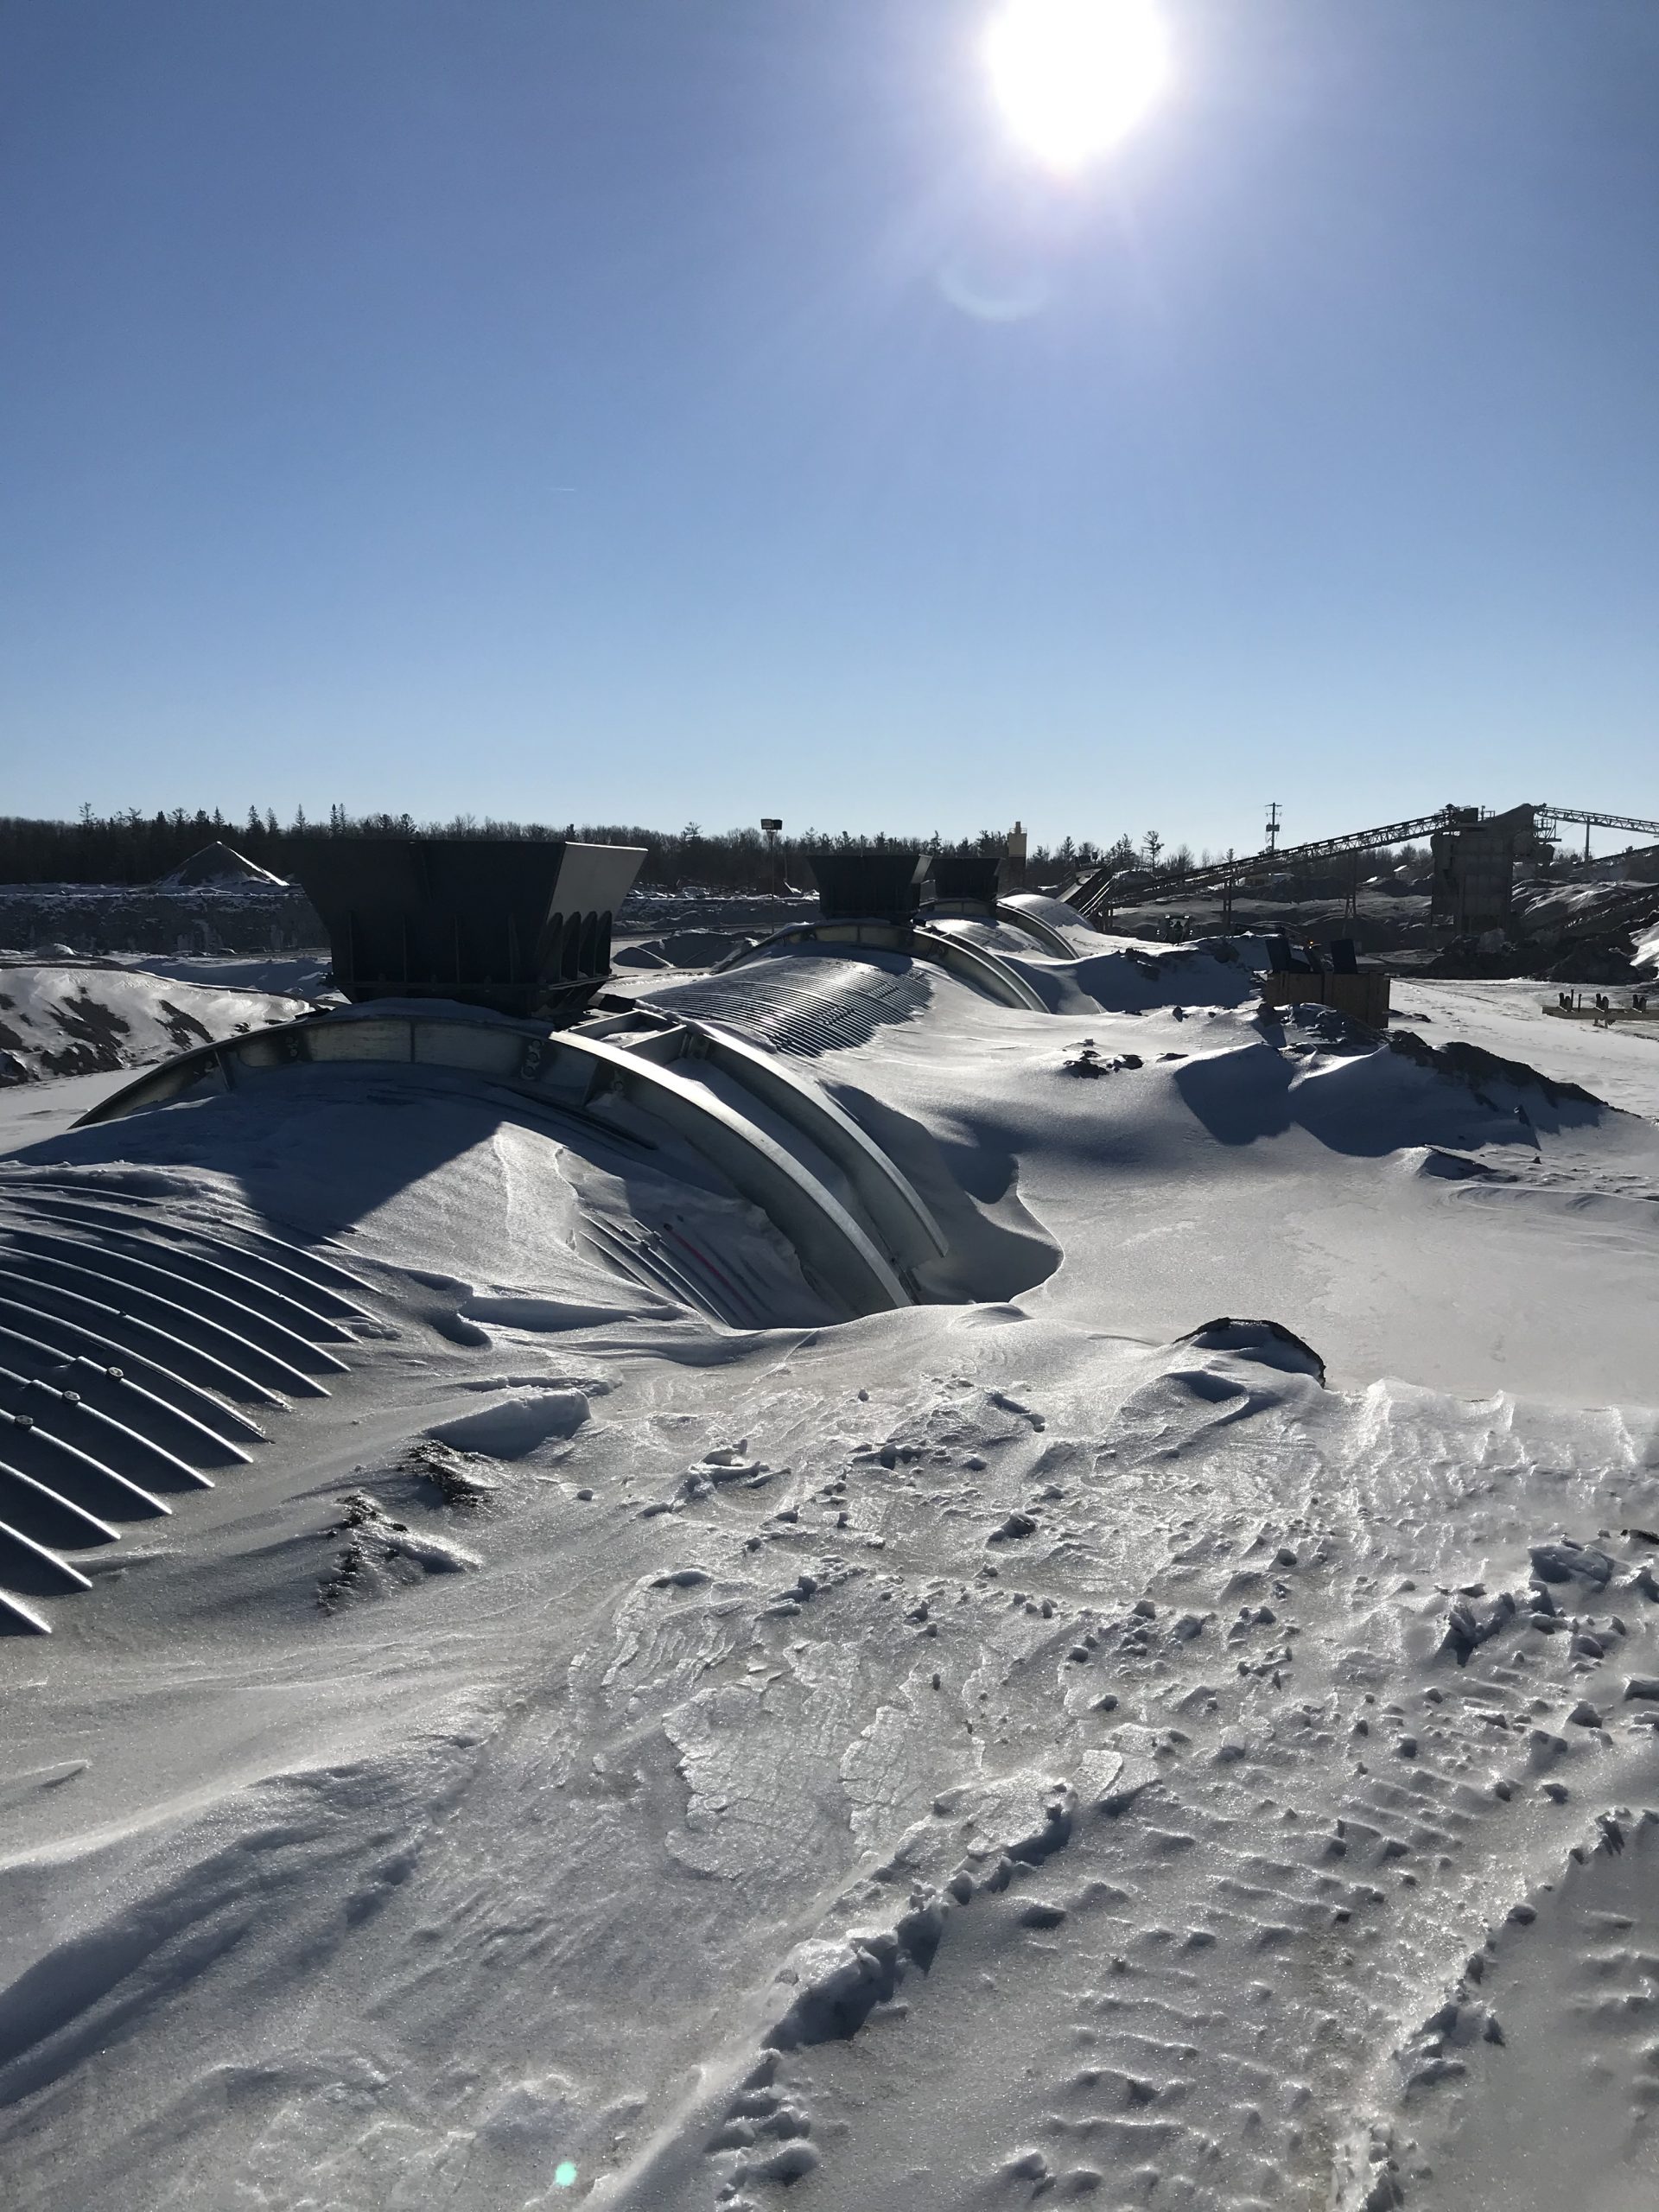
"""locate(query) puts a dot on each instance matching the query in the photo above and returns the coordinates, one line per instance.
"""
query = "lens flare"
(1074, 77)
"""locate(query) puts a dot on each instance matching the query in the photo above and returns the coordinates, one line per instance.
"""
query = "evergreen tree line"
(137, 848)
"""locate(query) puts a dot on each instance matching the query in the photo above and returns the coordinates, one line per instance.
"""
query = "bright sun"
(1073, 77)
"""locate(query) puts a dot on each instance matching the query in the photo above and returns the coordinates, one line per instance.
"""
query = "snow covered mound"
(220, 865)
(285, 975)
(1133, 974)
(1267, 1341)
(1486, 1071)
(681, 948)
(76, 1019)
(1545, 907)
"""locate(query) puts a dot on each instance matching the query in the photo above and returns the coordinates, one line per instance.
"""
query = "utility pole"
(1272, 826)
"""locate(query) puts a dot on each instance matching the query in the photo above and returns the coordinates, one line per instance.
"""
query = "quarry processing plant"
(1474, 854)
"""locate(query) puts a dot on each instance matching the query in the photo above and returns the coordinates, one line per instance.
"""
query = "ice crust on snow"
(1057, 1747)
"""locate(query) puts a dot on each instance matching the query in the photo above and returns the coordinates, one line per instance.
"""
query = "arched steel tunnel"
(176, 1282)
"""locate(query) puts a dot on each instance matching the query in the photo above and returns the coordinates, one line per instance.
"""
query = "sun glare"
(1073, 77)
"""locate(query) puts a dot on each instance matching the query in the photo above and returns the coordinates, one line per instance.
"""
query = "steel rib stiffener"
(142, 1350)
(130, 1344)
(576, 1071)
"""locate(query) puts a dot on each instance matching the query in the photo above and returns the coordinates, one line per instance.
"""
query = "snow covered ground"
(1055, 1746)
(1508, 1018)
(31, 1111)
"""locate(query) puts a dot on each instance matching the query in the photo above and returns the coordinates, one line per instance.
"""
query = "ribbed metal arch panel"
(129, 1345)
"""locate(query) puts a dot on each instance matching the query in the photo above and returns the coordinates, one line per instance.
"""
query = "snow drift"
(1169, 1726)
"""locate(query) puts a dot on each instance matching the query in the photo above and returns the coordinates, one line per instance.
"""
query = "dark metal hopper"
(884, 885)
(520, 925)
(967, 880)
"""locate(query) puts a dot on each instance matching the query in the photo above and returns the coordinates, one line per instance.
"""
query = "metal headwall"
(520, 925)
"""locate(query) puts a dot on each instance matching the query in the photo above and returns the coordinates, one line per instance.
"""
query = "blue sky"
(660, 410)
